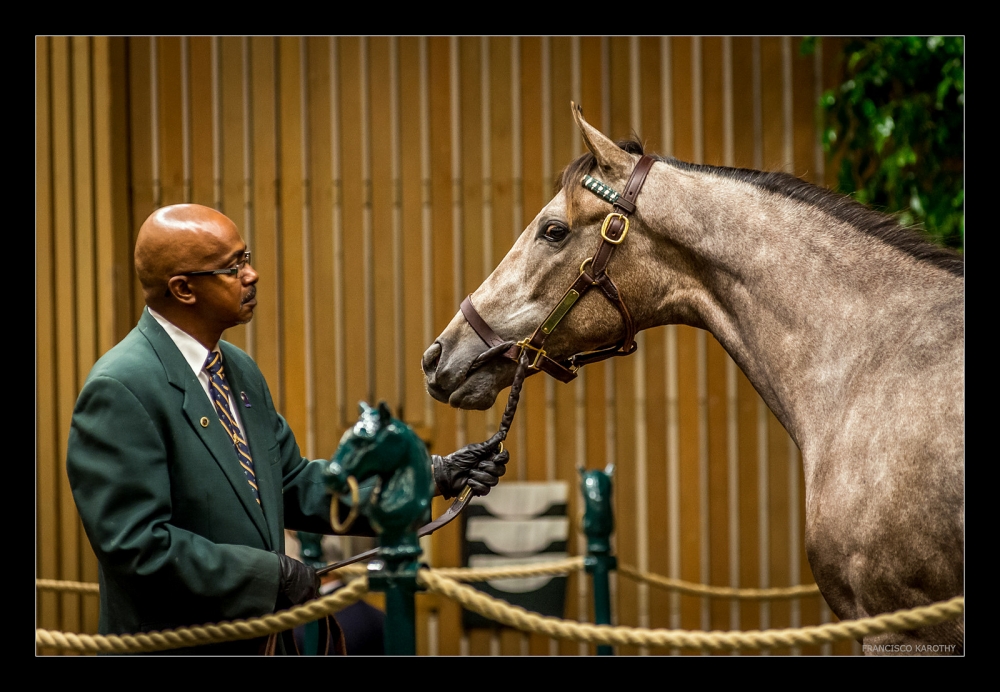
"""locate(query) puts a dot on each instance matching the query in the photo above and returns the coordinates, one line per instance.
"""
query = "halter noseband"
(613, 232)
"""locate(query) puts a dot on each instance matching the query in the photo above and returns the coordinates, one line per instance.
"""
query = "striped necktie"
(219, 393)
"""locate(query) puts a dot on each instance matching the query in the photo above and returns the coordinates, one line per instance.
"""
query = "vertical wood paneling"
(382, 138)
(383, 193)
(379, 180)
(321, 191)
(291, 229)
(266, 259)
(86, 262)
(66, 333)
(140, 148)
(170, 117)
(353, 201)
(113, 201)
(46, 402)
(202, 128)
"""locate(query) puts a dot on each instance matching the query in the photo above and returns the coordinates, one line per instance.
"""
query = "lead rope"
(463, 498)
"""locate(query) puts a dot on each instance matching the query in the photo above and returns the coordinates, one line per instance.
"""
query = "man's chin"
(246, 313)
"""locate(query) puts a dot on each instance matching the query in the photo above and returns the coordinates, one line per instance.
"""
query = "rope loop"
(352, 483)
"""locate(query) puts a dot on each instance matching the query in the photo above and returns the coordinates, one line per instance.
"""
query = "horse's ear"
(363, 407)
(384, 413)
(612, 159)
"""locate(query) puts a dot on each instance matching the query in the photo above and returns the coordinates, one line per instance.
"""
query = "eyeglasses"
(231, 271)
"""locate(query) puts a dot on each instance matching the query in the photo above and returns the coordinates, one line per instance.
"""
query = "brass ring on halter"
(352, 483)
(500, 449)
(585, 262)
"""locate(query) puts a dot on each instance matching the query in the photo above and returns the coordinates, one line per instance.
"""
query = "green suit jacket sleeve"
(178, 535)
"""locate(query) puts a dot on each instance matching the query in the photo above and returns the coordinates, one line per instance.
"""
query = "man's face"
(225, 300)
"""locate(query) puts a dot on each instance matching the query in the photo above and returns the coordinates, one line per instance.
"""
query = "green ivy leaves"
(894, 128)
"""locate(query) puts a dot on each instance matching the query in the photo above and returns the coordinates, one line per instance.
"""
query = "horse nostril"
(431, 358)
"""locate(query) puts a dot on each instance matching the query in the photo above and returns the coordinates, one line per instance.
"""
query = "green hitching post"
(386, 449)
(312, 554)
(598, 525)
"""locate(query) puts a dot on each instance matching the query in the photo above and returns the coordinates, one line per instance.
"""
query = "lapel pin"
(246, 399)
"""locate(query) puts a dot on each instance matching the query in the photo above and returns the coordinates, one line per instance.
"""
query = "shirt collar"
(194, 353)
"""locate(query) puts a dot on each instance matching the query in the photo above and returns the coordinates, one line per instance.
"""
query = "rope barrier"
(446, 581)
(687, 587)
(205, 634)
(515, 616)
(71, 586)
(573, 564)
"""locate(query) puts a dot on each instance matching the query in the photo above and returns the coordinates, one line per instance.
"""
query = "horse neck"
(802, 301)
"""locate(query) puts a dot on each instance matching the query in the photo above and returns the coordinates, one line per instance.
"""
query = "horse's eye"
(554, 232)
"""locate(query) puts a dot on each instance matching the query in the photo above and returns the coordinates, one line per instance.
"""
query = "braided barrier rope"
(515, 616)
(446, 582)
(207, 634)
(70, 586)
(573, 564)
(719, 591)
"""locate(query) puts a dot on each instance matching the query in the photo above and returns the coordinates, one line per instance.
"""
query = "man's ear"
(180, 288)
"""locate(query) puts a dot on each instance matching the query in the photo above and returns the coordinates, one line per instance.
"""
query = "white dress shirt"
(195, 354)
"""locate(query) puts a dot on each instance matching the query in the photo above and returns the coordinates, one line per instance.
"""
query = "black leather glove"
(298, 583)
(478, 465)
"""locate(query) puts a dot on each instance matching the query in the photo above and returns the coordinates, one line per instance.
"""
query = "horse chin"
(478, 393)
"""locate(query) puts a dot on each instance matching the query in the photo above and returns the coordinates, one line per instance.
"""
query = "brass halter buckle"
(539, 352)
(607, 222)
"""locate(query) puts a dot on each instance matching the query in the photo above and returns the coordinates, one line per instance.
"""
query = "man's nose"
(249, 275)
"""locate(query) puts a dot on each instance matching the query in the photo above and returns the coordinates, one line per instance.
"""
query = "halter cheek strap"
(593, 272)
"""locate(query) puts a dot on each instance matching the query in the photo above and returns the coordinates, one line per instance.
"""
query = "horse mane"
(880, 225)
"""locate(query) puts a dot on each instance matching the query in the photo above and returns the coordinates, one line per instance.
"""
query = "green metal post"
(598, 525)
(312, 554)
(396, 576)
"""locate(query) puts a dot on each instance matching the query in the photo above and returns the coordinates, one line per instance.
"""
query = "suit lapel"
(203, 419)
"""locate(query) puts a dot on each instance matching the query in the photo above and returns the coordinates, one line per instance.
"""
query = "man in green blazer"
(184, 474)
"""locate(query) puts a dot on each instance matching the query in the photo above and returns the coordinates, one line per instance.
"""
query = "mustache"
(251, 294)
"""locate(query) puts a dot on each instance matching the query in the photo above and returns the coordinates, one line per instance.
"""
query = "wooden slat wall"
(378, 180)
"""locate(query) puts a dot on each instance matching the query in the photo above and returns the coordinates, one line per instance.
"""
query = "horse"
(849, 326)
(382, 447)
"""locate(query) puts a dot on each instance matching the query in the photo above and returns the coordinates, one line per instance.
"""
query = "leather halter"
(593, 272)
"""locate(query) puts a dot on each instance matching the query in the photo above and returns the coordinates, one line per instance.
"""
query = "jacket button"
(204, 422)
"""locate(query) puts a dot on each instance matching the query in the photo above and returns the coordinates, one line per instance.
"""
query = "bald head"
(179, 238)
